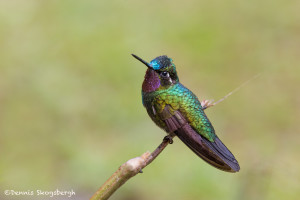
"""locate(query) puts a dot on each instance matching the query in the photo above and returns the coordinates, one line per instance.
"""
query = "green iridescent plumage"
(182, 99)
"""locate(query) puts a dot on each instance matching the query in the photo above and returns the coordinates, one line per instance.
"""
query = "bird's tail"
(214, 153)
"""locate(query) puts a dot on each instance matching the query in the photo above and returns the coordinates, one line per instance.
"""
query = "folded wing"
(214, 153)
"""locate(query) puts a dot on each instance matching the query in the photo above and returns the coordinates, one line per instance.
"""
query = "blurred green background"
(70, 102)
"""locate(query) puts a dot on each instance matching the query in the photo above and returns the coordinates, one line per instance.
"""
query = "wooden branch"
(129, 169)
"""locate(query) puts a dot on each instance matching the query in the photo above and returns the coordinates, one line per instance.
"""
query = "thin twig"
(207, 104)
(129, 169)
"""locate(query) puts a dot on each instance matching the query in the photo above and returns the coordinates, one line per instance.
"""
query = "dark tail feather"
(215, 153)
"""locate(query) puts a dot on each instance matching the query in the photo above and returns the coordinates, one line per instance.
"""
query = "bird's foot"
(169, 139)
(207, 103)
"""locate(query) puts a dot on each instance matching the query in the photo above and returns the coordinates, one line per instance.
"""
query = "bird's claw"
(169, 139)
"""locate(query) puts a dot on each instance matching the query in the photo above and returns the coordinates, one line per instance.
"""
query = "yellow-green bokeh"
(70, 102)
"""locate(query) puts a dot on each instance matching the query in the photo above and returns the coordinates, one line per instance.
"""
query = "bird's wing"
(215, 153)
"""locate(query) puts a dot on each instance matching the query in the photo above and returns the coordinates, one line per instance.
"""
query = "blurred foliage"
(70, 103)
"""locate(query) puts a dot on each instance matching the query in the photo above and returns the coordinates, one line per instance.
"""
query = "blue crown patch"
(161, 62)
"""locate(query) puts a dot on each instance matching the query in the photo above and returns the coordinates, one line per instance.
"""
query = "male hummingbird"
(178, 111)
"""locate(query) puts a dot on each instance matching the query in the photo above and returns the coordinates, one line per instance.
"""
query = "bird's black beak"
(145, 63)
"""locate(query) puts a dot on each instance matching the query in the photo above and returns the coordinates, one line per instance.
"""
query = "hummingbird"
(177, 110)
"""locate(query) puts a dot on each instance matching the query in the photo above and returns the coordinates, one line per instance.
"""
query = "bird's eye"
(164, 74)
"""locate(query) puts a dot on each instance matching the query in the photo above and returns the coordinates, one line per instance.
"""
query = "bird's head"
(161, 73)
